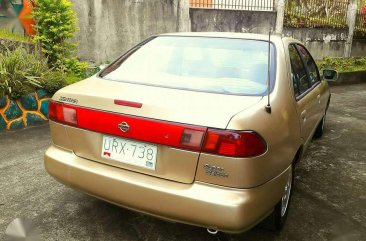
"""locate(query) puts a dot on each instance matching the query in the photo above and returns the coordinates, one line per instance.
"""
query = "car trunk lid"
(158, 120)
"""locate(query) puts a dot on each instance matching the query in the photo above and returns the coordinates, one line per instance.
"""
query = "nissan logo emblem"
(124, 126)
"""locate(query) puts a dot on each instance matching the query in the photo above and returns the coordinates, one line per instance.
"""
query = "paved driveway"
(329, 201)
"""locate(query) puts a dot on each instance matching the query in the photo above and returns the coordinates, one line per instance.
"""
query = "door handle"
(318, 97)
(303, 115)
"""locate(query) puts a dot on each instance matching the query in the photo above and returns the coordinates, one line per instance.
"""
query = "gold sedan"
(198, 128)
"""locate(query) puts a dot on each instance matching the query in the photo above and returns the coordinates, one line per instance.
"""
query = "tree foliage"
(55, 26)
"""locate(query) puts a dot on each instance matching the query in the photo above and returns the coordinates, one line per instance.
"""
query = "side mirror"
(102, 66)
(330, 75)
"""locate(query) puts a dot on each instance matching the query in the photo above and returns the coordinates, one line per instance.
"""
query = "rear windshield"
(218, 65)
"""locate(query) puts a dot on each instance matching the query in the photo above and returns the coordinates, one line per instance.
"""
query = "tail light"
(232, 143)
(63, 113)
(195, 138)
(192, 138)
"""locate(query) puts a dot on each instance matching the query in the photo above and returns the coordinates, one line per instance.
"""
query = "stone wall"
(320, 41)
(109, 28)
(29, 110)
(348, 78)
(11, 45)
(358, 48)
(221, 20)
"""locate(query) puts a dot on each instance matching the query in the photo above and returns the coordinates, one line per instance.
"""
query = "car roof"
(232, 35)
(223, 35)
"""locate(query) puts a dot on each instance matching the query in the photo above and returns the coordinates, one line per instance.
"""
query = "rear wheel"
(320, 129)
(278, 218)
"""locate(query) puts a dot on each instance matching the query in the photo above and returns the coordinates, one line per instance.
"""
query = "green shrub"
(76, 67)
(342, 64)
(53, 81)
(55, 26)
(20, 72)
(71, 79)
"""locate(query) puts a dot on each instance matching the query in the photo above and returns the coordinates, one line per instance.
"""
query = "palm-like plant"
(20, 72)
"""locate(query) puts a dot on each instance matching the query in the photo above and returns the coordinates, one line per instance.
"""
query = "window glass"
(298, 72)
(310, 65)
(219, 65)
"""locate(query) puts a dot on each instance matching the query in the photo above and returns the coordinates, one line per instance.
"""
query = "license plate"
(130, 152)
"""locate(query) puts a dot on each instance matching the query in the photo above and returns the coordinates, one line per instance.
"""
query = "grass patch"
(342, 64)
(6, 34)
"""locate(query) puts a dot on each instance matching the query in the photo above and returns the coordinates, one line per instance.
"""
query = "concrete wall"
(359, 48)
(347, 78)
(110, 27)
(320, 42)
(29, 110)
(219, 20)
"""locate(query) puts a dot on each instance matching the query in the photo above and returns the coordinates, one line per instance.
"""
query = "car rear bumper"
(200, 204)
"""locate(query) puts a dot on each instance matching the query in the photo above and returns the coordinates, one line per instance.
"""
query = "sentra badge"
(69, 100)
(215, 171)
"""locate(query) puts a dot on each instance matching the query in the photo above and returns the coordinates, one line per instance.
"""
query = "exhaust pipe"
(212, 231)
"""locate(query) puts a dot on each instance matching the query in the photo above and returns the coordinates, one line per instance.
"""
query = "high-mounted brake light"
(128, 103)
(232, 143)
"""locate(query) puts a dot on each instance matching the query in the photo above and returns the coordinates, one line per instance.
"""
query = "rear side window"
(298, 73)
(218, 65)
(310, 65)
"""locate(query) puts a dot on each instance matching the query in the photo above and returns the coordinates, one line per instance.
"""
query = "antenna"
(268, 107)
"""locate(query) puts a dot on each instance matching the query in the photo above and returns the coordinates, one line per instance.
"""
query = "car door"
(305, 94)
(315, 81)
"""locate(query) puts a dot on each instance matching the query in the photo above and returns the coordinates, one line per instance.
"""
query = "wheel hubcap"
(286, 196)
(323, 122)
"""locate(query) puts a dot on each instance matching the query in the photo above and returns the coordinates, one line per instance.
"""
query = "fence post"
(280, 16)
(183, 21)
(351, 21)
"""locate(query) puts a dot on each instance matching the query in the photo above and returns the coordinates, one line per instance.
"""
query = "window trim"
(307, 70)
(297, 91)
(311, 87)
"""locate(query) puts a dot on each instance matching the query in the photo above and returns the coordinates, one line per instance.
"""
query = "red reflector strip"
(214, 141)
(142, 129)
(128, 103)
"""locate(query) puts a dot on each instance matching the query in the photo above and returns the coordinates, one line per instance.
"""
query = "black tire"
(320, 128)
(277, 219)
